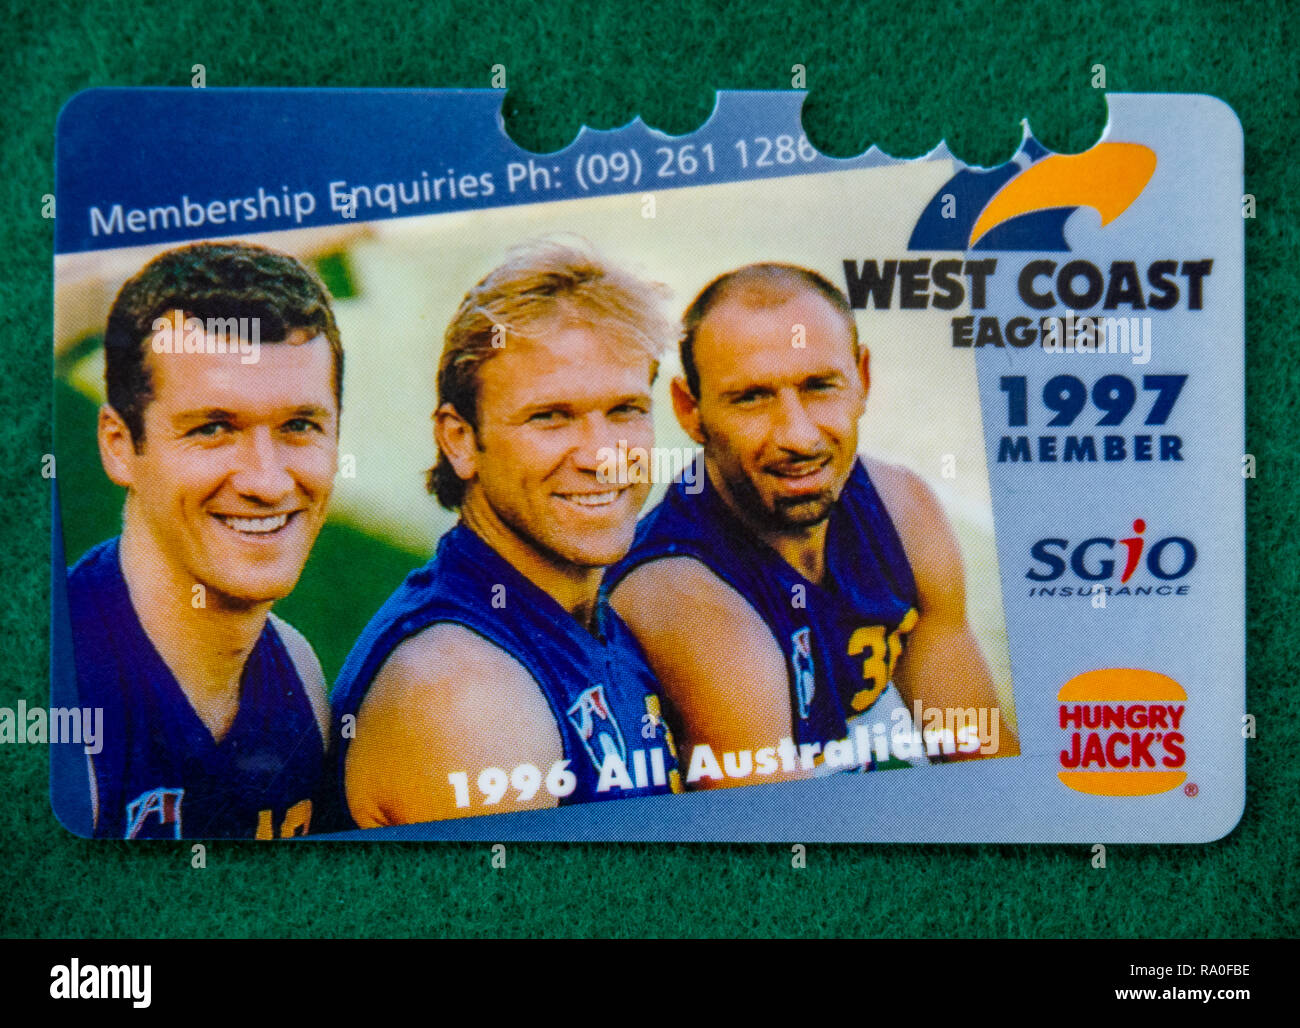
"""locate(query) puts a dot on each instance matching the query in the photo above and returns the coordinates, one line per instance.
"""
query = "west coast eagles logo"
(594, 722)
(805, 679)
(1024, 204)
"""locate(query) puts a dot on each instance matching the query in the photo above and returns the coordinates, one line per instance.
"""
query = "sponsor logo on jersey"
(805, 678)
(596, 727)
(155, 814)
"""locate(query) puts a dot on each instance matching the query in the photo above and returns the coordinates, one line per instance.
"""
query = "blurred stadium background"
(397, 282)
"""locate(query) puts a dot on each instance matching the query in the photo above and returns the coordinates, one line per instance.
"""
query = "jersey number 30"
(880, 655)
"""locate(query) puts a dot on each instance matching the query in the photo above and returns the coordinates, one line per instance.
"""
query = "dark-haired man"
(789, 603)
(224, 376)
(497, 677)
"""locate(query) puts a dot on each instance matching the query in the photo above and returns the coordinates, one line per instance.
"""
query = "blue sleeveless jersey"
(599, 687)
(160, 775)
(841, 638)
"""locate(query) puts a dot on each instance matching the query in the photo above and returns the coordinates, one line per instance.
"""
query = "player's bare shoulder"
(924, 529)
(309, 670)
(445, 700)
(702, 638)
(449, 669)
(676, 596)
(911, 503)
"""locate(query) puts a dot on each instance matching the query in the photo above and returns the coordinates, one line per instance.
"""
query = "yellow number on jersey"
(879, 657)
(296, 821)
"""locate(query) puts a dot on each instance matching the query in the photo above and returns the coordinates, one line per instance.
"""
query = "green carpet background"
(903, 77)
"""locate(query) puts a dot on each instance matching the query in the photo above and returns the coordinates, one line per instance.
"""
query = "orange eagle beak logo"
(1107, 178)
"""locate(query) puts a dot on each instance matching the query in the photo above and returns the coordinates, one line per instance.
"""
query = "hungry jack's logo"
(1123, 733)
(1024, 204)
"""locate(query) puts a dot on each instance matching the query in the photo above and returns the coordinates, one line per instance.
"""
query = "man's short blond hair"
(541, 287)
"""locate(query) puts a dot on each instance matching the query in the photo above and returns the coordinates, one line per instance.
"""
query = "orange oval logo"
(1123, 732)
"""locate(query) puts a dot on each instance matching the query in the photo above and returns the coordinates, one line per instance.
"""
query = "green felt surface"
(901, 76)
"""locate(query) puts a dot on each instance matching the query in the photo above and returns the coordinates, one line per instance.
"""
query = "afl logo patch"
(801, 660)
(155, 814)
(594, 722)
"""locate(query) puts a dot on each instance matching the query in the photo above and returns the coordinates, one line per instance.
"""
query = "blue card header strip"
(145, 166)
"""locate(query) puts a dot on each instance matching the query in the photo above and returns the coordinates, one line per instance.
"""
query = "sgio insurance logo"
(1159, 566)
(1123, 733)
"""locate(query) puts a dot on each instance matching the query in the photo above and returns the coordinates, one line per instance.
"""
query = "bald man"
(797, 606)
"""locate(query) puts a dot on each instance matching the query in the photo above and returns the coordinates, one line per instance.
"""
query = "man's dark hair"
(210, 280)
(756, 285)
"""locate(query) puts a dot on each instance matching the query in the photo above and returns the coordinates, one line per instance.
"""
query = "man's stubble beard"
(549, 552)
(789, 516)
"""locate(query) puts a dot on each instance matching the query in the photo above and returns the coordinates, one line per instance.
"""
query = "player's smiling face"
(550, 411)
(780, 398)
(232, 482)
